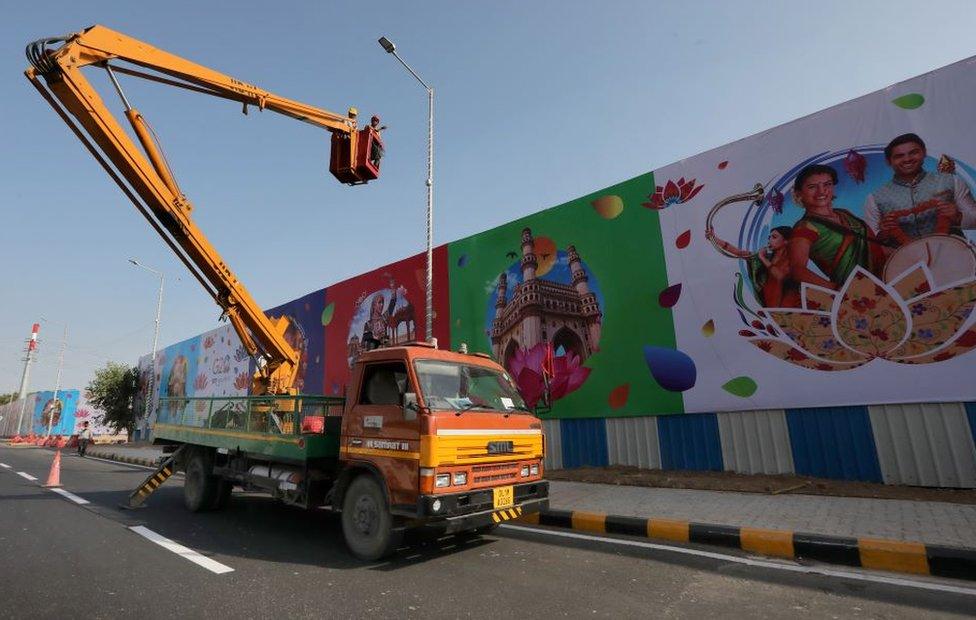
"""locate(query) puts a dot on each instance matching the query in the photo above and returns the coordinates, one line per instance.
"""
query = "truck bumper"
(473, 509)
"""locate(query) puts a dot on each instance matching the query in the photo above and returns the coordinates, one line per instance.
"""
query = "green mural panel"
(618, 242)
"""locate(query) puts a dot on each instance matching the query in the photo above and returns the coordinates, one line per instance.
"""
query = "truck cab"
(448, 434)
(424, 438)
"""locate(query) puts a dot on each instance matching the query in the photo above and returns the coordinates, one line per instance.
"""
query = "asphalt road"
(59, 558)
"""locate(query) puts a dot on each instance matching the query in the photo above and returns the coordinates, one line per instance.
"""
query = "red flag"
(548, 371)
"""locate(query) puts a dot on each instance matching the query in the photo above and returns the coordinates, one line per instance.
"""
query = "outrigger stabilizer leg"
(166, 469)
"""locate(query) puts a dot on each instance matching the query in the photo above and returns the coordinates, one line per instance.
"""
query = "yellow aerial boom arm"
(145, 177)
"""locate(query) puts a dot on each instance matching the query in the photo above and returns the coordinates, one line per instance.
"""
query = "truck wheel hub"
(365, 515)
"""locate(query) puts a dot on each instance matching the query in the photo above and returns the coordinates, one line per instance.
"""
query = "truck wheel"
(367, 524)
(199, 485)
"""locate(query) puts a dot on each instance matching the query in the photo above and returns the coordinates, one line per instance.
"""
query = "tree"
(8, 398)
(113, 390)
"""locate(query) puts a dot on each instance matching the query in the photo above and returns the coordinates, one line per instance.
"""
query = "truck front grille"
(496, 472)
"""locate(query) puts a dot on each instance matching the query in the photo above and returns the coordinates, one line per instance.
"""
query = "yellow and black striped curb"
(875, 553)
(133, 460)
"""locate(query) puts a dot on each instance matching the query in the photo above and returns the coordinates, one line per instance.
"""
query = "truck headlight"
(525, 471)
(460, 478)
(442, 480)
(534, 470)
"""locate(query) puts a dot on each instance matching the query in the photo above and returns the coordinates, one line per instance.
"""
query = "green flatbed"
(293, 428)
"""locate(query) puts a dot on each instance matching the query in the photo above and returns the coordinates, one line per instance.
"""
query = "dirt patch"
(757, 483)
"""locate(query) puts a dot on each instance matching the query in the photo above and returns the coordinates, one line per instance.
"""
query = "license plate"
(504, 497)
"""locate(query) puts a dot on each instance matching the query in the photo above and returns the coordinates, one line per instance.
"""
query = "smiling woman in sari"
(835, 240)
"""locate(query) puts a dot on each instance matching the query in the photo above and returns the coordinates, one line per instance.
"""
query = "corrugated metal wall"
(756, 442)
(690, 441)
(914, 444)
(833, 442)
(634, 441)
(11, 413)
(584, 442)
(971, 414)
(554, 445)
(924, 444)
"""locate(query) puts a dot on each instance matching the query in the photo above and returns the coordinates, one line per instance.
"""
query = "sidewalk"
(934, 523)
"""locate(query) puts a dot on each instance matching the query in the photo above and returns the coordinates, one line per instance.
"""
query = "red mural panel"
(383, 306)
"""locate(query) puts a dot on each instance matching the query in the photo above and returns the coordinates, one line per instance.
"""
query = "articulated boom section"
(145, 177)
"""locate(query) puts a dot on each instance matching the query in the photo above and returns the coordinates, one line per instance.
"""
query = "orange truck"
(425, 438)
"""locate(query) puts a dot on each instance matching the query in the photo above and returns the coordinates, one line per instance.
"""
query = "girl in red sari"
(769, 268)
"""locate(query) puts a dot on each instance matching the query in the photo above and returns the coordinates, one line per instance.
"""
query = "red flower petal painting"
(673, 193)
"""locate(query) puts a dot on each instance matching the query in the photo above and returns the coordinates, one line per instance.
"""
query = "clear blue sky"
(537, 103)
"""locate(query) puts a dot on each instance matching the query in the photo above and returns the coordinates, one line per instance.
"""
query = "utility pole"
(25, 379)
(57, 384)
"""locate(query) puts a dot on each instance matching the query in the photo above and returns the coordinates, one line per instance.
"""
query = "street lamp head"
(387, 45)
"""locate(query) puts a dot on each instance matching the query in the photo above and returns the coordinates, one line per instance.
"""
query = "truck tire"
(199, 485)
(367, 524)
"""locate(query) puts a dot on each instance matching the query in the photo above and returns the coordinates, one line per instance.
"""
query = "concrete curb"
(874, 553)
(112, 456)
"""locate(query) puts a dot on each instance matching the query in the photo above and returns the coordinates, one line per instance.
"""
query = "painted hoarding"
(383, 305)
(849, 307)
(58, 412)
(677, 291)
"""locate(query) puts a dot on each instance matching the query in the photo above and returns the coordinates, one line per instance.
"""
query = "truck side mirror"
(410, 406)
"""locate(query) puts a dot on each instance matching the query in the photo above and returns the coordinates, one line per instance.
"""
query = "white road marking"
(26, 475)
(78, 500)
(191, 555)
(4, 465)
(795, 568)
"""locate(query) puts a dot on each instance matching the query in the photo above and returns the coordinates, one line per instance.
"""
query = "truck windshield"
(462, 386)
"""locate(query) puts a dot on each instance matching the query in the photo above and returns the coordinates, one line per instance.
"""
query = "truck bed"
(293, 428)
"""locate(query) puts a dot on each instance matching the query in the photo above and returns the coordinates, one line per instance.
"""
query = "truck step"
(162, 473)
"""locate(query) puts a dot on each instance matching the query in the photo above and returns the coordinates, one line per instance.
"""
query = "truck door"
(378, 432)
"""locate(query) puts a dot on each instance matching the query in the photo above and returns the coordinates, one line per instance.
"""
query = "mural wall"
(58, 412)
(825, 262)
(213, 364)
(851, 280)
(386, 305)
(67, 413)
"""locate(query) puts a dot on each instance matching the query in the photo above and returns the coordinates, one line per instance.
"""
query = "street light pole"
(391, 49)
(150, 401)
(57, 384)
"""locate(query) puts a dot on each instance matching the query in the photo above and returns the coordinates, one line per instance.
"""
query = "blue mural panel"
(306, 334)
(690, 441)
(584, 443)
(834, 442)
(971, 414)
(60, 413)
(179, 369)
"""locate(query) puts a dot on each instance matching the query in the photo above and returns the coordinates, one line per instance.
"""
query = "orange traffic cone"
(54, 478)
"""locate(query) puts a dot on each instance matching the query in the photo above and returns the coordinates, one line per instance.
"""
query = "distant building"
(567, 316)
